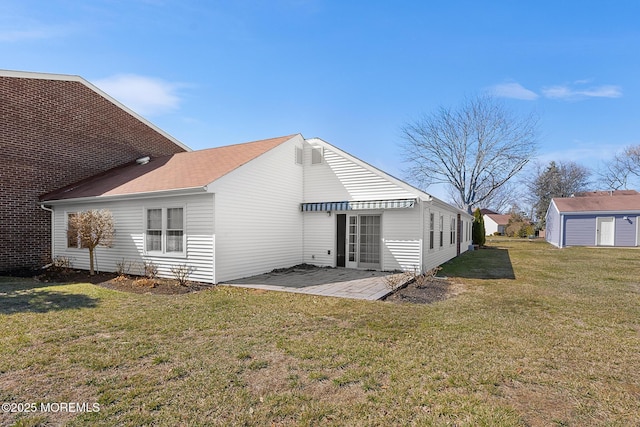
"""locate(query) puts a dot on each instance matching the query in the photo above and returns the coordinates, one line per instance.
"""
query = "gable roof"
(485, 211)
(188, 170)
(78, 79)
(379, 172)
(499, 219)
(601, 193)
(619, 203)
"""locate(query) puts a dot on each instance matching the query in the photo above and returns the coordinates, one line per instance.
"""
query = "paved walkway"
(335, 282)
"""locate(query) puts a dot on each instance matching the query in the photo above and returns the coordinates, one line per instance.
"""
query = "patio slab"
(334, 282)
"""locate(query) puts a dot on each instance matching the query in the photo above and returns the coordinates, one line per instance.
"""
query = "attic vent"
(299, 153)
(143, 160)
(316, 155)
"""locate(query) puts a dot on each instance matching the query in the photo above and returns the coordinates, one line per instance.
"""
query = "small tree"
(519, 226)
(92, 228)
(477, 231)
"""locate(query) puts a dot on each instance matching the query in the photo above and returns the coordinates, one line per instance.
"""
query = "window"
(453, 231)
(316, 155)
(154, 230)
(431, 226)
(441, 230)
(165, 230)
(73, 235)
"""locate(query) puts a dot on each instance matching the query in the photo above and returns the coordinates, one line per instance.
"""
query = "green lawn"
(539, 336)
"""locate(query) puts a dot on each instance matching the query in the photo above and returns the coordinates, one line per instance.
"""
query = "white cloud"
(147, 96)
(513, 90)
(25, 31)
(568, 92)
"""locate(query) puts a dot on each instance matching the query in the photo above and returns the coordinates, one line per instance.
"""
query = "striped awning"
(358, 205)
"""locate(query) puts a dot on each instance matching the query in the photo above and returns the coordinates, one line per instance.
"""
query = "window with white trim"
(453, 231)
(441, 230)
(164, 231)
(431, 229)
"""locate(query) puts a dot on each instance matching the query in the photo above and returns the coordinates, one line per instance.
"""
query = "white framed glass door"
(363, 241)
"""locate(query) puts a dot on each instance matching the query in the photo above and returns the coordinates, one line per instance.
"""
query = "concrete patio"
(335, 282)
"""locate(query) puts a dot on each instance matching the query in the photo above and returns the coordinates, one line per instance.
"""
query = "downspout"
(52, 234)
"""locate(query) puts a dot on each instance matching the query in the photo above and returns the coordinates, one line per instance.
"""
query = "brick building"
(56, 130)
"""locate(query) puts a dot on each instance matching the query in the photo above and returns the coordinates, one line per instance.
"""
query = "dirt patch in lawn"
(125, 283)
(430, 291)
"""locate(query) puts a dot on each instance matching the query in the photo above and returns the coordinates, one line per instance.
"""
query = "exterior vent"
(143, 160)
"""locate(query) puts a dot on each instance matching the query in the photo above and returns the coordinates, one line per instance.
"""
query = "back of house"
(234, 211)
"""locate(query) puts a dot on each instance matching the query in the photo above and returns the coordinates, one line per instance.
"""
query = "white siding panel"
(402, 239)
(129, 239)
(258, 219)
(439, 254)
(338, 178)
(319, 238)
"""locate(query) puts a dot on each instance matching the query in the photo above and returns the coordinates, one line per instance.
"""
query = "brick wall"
(53, 133)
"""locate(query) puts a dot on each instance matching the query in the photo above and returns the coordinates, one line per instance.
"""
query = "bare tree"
(92, 228)
(475, 149)
(622, 170)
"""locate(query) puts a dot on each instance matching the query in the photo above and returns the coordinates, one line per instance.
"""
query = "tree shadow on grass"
(486, 263)
(26, 297)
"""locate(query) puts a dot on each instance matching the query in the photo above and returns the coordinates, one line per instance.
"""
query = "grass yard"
(539, 336)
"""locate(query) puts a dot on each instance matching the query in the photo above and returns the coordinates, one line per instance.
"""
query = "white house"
(495, 223)
(245, 209)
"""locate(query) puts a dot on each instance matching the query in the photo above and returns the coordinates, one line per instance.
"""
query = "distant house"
(245, 209)
(55, 130)
(495, 223)
(598, 219)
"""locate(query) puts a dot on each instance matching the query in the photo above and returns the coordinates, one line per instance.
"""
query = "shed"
(597, 220)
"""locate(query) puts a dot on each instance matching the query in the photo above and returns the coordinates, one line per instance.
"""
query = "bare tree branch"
(623, 170)
(476, 148)
(92, 228)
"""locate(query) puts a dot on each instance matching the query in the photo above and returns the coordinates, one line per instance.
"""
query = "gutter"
(143, 195)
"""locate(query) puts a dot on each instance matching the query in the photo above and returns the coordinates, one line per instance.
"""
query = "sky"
(214, 73)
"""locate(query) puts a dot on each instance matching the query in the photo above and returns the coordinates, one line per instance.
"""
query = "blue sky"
(214, 73)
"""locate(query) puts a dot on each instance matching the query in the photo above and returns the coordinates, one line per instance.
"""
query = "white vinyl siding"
(131, 226)
(320, 238)
(402, 239)
(338, 178)
(258, 218)
(433, 257)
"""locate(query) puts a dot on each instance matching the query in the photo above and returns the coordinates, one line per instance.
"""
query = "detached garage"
(594, 221)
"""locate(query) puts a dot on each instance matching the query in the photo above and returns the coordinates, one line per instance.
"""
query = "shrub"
(150, 269)
(62, 263)
(123, 268)
(181, 273)
(477, 230)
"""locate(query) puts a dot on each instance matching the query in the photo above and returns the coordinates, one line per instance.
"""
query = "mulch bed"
(134, 284)
(434, 290)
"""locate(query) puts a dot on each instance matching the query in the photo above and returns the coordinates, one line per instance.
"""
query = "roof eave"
(131, 196)
(614, 212)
